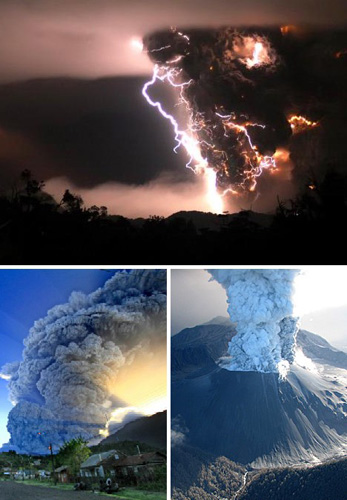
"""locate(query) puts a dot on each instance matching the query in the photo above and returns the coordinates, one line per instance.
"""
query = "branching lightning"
(188, 140)
(224, 142)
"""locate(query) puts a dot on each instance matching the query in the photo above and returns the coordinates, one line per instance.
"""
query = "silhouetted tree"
(71, 202)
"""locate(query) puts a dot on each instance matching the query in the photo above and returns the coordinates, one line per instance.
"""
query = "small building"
(62, 474)
(43, 474)
(24, 474)
(94, 465)
(6, 472)
(135, 469)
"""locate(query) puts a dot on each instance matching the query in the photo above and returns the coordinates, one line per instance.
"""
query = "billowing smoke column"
(252, 96)
(62, 387)
(260, 305)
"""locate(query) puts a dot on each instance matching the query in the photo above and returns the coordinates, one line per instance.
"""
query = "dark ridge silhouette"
(149, 430)
(34, 229)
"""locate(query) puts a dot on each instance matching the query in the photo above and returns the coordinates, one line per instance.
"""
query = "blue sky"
(25, 296)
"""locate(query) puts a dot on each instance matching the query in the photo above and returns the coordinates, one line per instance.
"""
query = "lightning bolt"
(260, 162)
(198, 139)
(191, 144)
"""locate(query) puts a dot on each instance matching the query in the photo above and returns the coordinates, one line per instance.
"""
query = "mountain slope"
(320, 351)
(197, 350)
(202, 476)
(324, 482)
(150, 430)
(253, 417)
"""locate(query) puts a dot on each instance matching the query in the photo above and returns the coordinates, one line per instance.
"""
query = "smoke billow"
(260, 304)
(64, 385)
(243, 87)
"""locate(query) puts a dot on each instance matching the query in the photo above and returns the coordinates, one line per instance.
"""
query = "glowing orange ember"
(289, 28)
(300, 123)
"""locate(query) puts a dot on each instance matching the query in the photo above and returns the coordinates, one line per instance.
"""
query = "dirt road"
(10, 490)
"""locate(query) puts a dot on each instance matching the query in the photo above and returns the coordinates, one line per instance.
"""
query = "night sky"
(27, 295)
(71, 108)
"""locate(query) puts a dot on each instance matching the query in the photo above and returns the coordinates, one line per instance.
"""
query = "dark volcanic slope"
(150, 430)
(198, 349)
(324, 482)
(251, 416)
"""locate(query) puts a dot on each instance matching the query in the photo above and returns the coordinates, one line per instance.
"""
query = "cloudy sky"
(71, 108)
(320, 301)
(95, 353)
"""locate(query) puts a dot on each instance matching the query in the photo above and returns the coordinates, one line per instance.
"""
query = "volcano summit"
(252, 418)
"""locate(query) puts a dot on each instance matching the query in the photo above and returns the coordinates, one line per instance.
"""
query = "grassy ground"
(124, 494)
(133, 494)
(48, 484)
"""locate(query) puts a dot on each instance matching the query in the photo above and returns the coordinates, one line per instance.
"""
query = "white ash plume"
(260, 304)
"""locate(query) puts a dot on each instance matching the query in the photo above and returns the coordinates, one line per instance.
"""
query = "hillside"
(251, 418)
(200, 475)
(149, 430)
(324, 482)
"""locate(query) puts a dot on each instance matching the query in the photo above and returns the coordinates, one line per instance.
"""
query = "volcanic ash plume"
(260, 304)
(259, 109)
(63, 386)
(220, 75)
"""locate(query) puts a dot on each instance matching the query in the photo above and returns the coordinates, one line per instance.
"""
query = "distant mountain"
(253, 417)
(219, 320)
(150, 430)
(320, 351)
(197, 350)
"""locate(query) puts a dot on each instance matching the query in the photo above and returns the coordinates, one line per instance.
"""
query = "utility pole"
(53, 468)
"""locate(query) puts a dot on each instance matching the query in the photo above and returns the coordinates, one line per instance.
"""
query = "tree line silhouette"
(35, 229)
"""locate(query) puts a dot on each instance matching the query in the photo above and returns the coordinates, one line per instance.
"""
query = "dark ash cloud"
(89, 131)
(229, 90)
(90, 38)
(100, 130)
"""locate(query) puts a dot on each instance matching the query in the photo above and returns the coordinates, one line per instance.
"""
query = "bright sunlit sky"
(320, 300)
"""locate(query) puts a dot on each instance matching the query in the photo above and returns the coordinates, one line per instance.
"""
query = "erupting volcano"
(254, 388)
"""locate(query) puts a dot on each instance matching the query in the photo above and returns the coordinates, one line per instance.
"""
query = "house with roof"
(94, 466)
(63, 474)
(135, 469)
